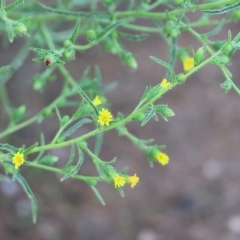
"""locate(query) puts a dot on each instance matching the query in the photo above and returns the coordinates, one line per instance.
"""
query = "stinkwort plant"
(103, 23)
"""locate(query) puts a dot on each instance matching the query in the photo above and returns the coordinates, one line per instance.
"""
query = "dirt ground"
(195, 197)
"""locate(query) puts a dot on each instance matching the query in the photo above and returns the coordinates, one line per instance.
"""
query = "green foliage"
(109, 26)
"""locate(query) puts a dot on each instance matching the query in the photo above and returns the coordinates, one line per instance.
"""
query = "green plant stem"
(153, 15)
(91, 154)
(155, 4)
(124, 121)
(2, 4)
(19, 126)
(62, 172)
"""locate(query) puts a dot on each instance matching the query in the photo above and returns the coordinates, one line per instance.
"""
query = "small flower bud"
(199, 55)
(20, 28)
(227, 85)
(67, 43)
(109, 45)
(38, 84)
(69, 54)
(165, 111)
(46, 112)
(220, 60)
(128, 59)
(139, 117)
(181, 78)
(228, 48)
(64, 120)
(91, 35)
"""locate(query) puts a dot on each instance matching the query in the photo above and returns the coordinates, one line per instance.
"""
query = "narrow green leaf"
(76, 168)
(149, 116)
(217, 29)
(30, 195)
(28, 150)
(145, 93)
(58, 115)
(8, 148)
(14, 5)
(10, 31)
(88, 100)
(107, 30)
(113, 160)
(71, 156)
(3, 69)
(97, 193)
(223, 10)
(132, 37)
(100, 170)
(120, 190)
(74, 128)
(164, 64)
(75, 31)
(91, 15)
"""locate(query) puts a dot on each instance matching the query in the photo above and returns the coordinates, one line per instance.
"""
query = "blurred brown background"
(195, 197)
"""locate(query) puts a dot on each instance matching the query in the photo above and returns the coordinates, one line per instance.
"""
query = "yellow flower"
(97, 101)
(188, 64)
(104, 117)
(162, 158)
(18, 160)
(133, 180)
(119, 181)
(165, 83)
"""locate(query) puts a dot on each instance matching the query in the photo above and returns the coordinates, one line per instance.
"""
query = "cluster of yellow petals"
(133, 180)
(162, 158)
(188, 64)
(97, 101)
(165, 83)
(18, 160)
(104, 117)
(120, 181)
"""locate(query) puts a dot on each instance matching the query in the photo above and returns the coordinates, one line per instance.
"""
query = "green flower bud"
(227, 85)
(20, 28)
(228, 48)
(64, 120)
(220, 60)
(109, 45)
(165, 111)
(38, 84)
(69, 53)
(67, 43)
(128, 59)
(91, 35)
(199, 55)
(60, 140)
(181, 78)
(46, 112)
(139, 117)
